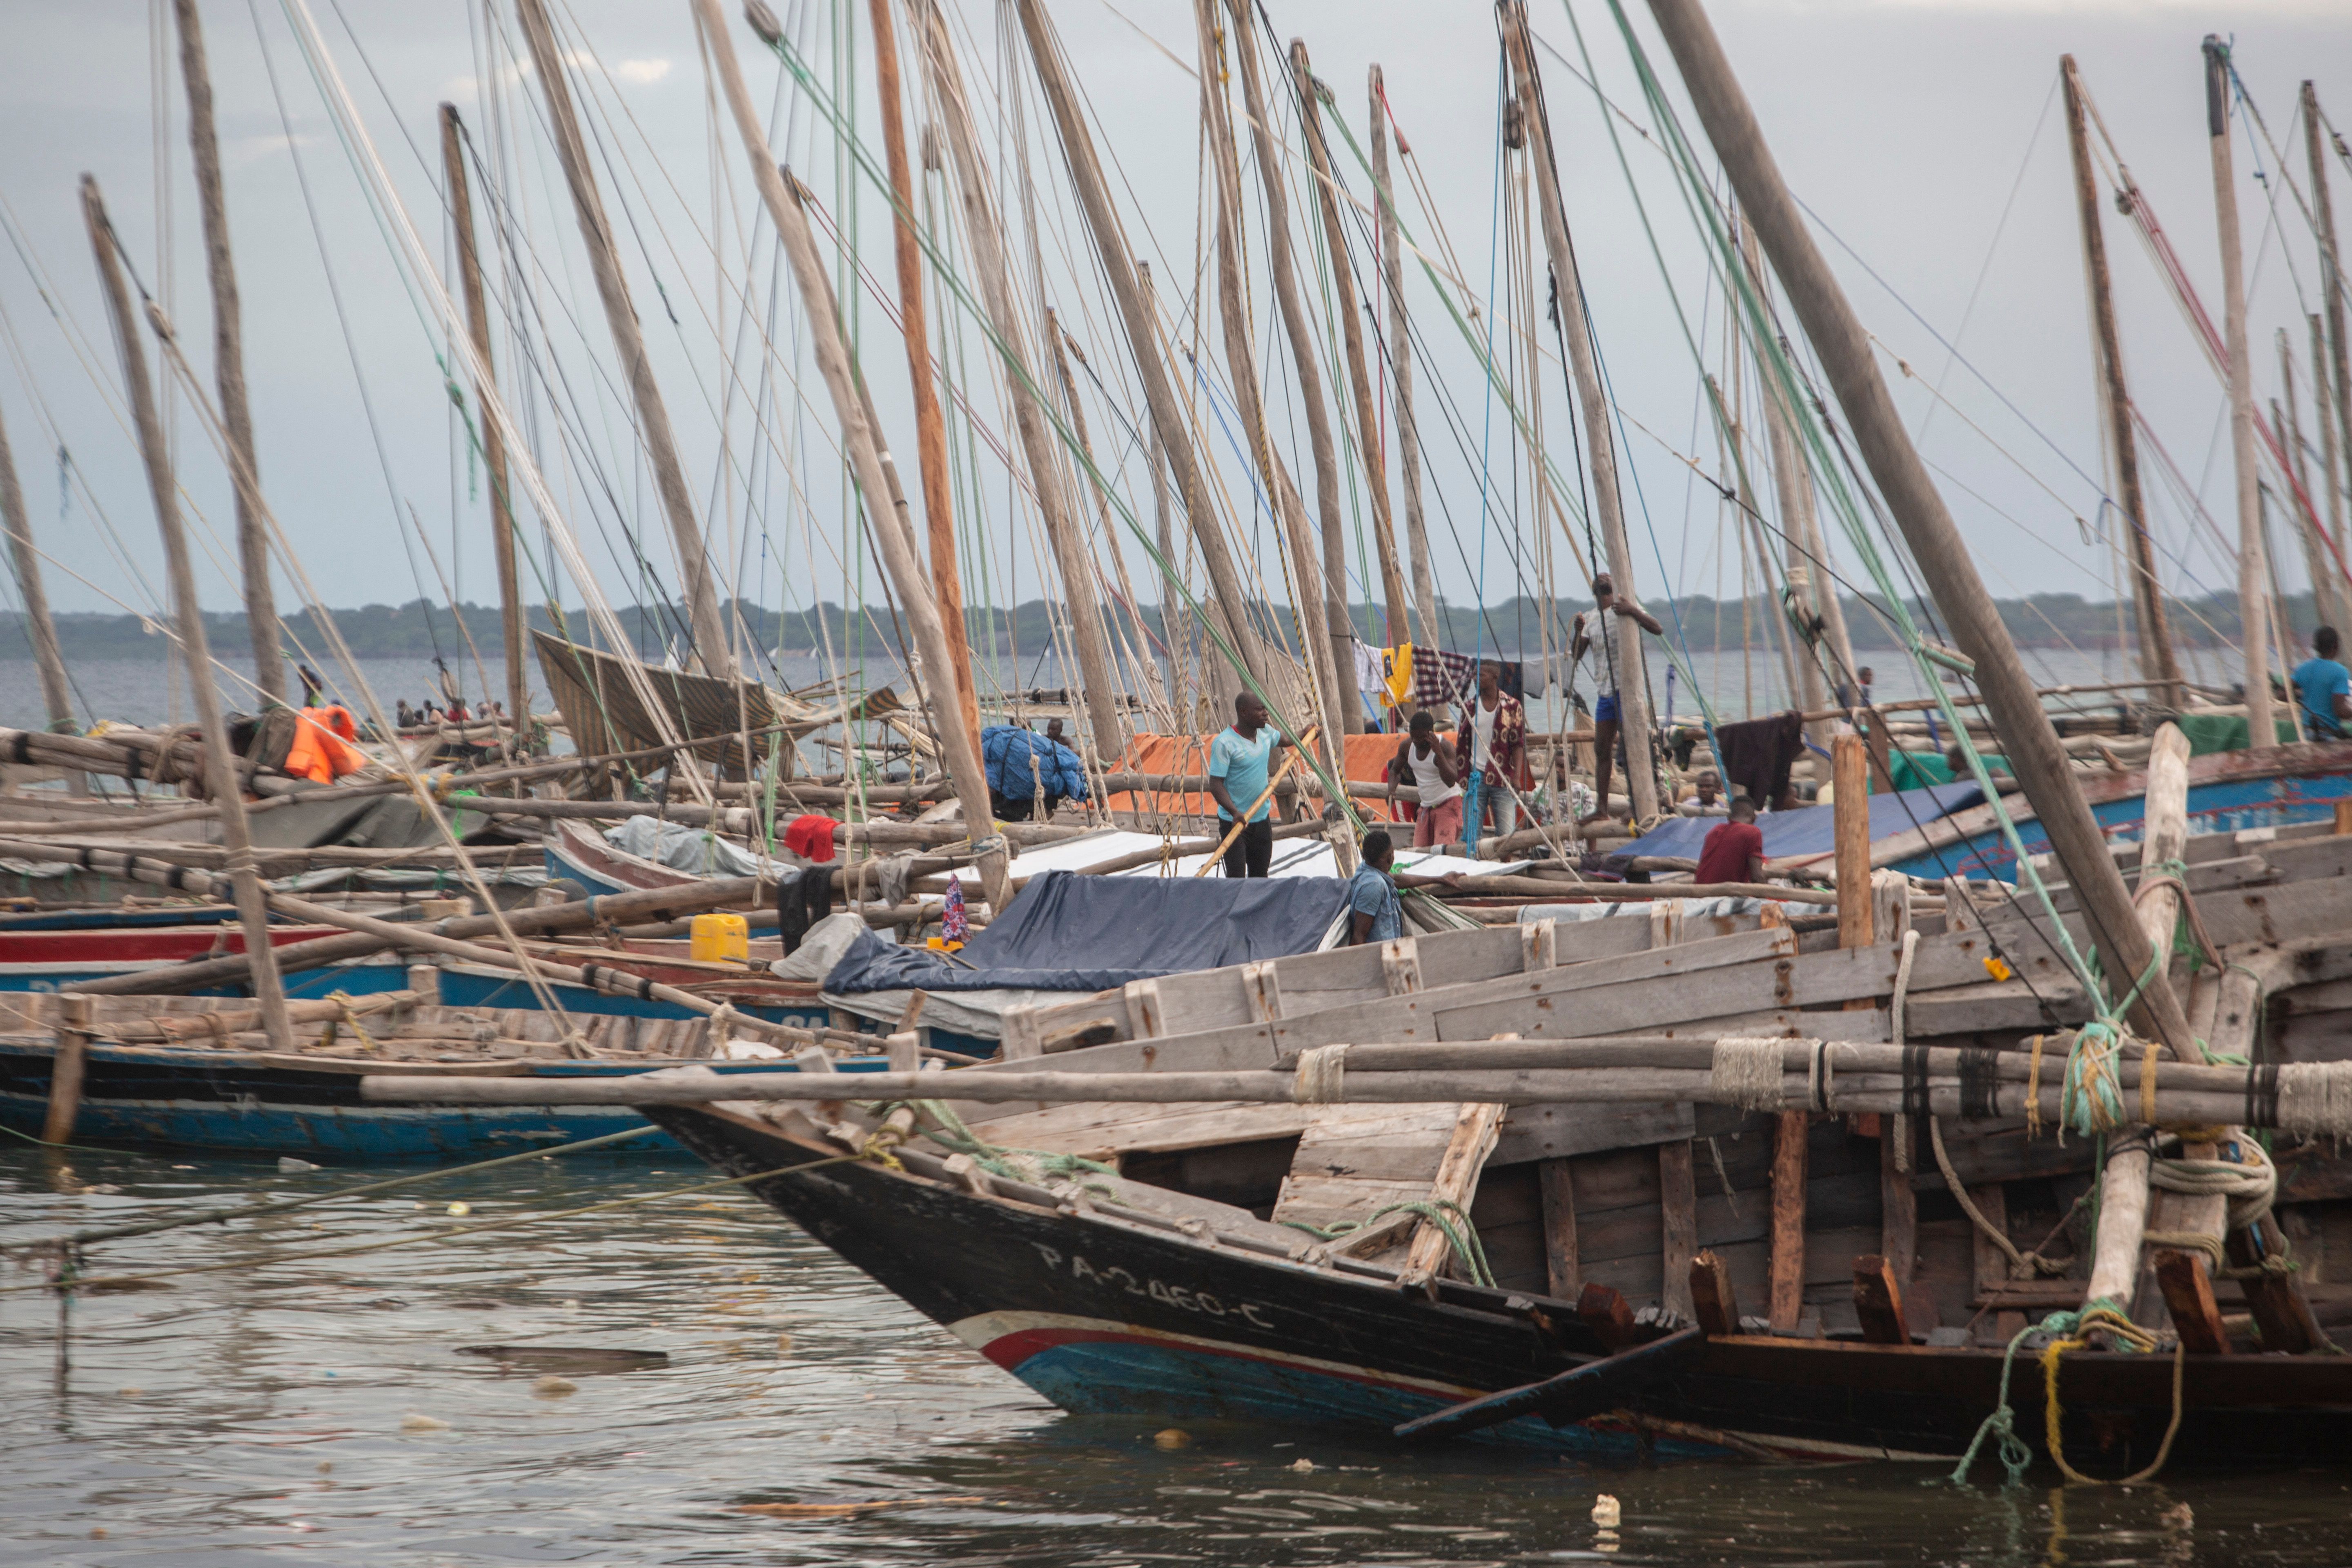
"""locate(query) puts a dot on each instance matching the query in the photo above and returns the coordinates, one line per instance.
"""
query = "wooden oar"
(1264, 795)
(1573, 1395)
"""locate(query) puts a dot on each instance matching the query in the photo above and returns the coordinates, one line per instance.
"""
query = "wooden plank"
(1553, 1131)
(1878, 1301)
(1401, 966)
(1143, 1009)
(2283, 1318)
(1792, 1136)
(1604, 1314)
(1538, 946)
(2188, 1296)
(1679, 1197)
(1562, 1273)
(1898, 1222)
(1991, 1263)
(1475, 1131)
(1262, 989)
(1713, 1301)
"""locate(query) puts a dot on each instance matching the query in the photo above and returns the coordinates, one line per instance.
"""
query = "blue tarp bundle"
(1073, 932)
(1811, 829)
(1015, 757)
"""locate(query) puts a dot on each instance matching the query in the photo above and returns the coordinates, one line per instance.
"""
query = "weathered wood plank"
(1713, 1300)
(1678, 1195)
(1791, 1140)
(1878, 1301)
(1475, 1131)
(1563, 1275)
(2188, 1296)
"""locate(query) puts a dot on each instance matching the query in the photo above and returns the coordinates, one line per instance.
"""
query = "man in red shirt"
(1734, 852)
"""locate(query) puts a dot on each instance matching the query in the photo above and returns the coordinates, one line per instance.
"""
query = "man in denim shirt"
(1374, 911)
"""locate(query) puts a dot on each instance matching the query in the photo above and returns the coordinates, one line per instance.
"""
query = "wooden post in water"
(984, 235)
(1230, 602)
(229, 353)
(1416, 528)
(1339, 673)
(1352, 325)
(1838, 338)
(2157, 662)
(2331, 279)
(2253, 560)
(56, 696)
(930, 424)
(68, 1068)
(494, 446)
(713, 649)
(223, 779)
(885, 504)
(1600, 455)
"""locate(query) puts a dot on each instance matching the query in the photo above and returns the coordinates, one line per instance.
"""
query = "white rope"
(2316, 1098)
(1747, 1071)
(1903, 980)
(1322, 1074)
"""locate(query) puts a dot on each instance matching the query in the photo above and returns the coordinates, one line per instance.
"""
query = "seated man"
(1734, 850)
(1375, 913)
(1022, 767)
(2323, 688)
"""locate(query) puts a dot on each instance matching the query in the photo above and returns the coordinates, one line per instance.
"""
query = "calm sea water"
(262, 1414)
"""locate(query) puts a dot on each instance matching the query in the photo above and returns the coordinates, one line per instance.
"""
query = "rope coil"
(1748, 1070)
(1321, 1076)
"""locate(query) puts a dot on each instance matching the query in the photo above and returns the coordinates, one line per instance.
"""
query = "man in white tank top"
(1427, 761)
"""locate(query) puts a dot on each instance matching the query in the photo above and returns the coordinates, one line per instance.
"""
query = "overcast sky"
(1925, 134)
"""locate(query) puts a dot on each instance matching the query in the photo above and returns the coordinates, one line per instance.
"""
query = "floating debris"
(552, 1387)
(837, 1509)
(422, 1424)
(1606, 1513)
(575, 1359)
(287, 1165)
(1173, 1439)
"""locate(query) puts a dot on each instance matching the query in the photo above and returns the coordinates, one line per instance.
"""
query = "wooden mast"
(1790, 480)
(2331, 267)
(2324, 414)
(1176, 631)
(2326, 586)
(1230, 604)
(494, 446)
(229, 353)
(1241, 362)
(2253, 560)
(885, 503)
(984, 233)
(712, 647)
(223, 779)
(1416, 528)
(2157, 663)
(1359, 380)
(1341, 694)
(1843, 347)
(1632, 686)
(930, 423)
(56, 696)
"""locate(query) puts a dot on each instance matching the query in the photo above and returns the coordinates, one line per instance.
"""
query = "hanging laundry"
(1399, 677)
(811, 836)
(1372, 670)
(1442, 678)
(1754, 756)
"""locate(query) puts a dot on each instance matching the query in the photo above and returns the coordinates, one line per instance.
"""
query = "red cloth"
(810, 836)
(1724, 856)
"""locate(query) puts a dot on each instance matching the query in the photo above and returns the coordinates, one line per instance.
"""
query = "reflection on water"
(329, 1412)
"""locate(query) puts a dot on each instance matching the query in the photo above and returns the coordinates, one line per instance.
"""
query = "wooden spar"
(1777, 631)
(2323, 399)
(2331, 269)
(56, 696)
(713, 649)
(67, 1069)
(1400, 346)
(1341, 697)
(1343, 283)
(1175, 631)
(222, 778)
(2326, 585)
(2253, 571)
(2028, 738)
(1241, 368)
(229, 353)
(885, 505)
(1792, 486)
(930, 423)
(2157, 661)
(1065, 345)
(494, 446)
(1228, 602)
(983, 231)
(1850, 815)
(1632, 683)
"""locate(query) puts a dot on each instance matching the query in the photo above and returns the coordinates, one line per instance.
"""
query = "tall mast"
(2325, 414)
(1416, 529)
(2157, 663)
(229, 353)
(1791, 481)
(1359, 380)
(885, 504)
(1843, 347)
(1340, 675)
(713, 647)
(1632, 687)
(2253, 558)
(2331, 269)
(984, 233)
(2326, 586)
(1230, 604)
(930, 424)
(494, 446)
(1241, 362)
(223, 782)
(1176, 631)
(55, 695)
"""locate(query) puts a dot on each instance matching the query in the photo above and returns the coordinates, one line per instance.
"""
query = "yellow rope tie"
(2105, 1317)
(2034, 1089)
(350, 1015)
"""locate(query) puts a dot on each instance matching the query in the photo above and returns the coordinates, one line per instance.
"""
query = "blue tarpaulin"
(1015, 758)
(1073, 932)
(1811, 829)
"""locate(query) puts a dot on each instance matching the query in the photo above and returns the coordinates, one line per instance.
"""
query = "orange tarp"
(1367, 762)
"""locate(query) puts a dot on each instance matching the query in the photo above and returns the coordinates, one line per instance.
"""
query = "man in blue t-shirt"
(1238, 760)
(1375, 913)
(2323, 688)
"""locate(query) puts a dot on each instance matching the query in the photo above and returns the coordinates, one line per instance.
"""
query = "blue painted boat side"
(333, 1132)
(2231, 806)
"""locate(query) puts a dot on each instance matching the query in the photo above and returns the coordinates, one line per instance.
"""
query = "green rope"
(1442, 1212)
(949, 1132)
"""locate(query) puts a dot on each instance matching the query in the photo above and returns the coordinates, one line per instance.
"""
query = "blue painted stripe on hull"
(386, 1132)
(2232, 806)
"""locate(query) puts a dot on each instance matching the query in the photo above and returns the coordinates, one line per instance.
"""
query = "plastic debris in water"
(1304, 1466)
(1606, 1512)
(132, 1393)
(290, 1166)
(461, 1208)
(783, 1344)
(1173, 1437)
(554, 1387)
(422, 1424)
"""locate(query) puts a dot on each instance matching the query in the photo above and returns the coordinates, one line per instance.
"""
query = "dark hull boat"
(1152, 1312)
